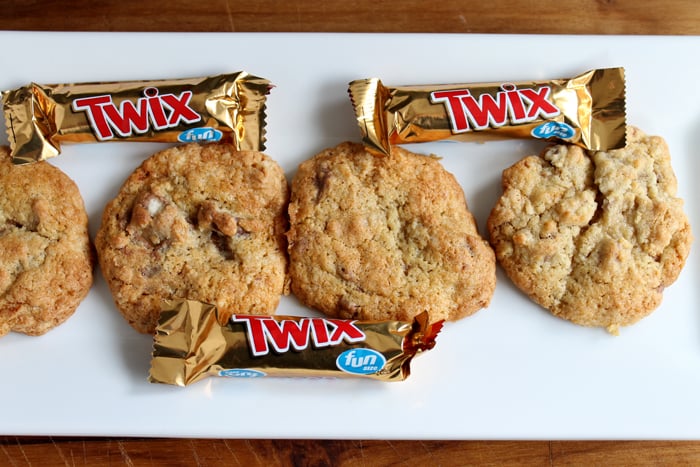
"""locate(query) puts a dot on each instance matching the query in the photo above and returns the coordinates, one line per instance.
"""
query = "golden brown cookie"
(203, 222)
(594, 237)
(45, 254)
(385, 238)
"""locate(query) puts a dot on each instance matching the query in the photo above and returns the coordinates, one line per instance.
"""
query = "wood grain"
(220, 452)
(448, 16)
(677, 17)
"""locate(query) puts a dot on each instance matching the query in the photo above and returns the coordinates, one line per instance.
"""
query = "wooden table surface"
(669, 17)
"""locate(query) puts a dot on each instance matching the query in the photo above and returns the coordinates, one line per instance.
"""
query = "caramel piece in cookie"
(45, 254)
(200, 222)
(385, 238)
(594, 237)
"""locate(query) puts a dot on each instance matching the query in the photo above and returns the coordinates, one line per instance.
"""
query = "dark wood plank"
(219, 452)
(451, 16)
(17, 451)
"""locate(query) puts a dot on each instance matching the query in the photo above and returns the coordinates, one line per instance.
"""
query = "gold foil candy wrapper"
(228, 108)
(194, 341)
(587, 110)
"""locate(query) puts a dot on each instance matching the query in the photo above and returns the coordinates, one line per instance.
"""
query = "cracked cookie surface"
(45, 254)
(594, 237)
(385, 238)
(202, 222)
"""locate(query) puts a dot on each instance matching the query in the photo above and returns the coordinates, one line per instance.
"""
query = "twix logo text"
(510, 105)
(266, 334)
(153, 111)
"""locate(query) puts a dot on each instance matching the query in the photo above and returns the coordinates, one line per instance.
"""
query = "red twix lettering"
(264, 332)
(510, 104)
(153, 111)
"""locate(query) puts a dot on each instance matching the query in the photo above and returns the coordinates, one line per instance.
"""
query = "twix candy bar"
(587, 110)
(227, 107)
(193, 341)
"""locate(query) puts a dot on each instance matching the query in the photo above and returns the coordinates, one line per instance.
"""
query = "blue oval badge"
(360, 361)
(195, 135)
(242, 373)
(553, 130)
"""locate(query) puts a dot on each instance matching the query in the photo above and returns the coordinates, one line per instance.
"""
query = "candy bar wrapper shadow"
(193, 341)
(228, 108)
(587, 110)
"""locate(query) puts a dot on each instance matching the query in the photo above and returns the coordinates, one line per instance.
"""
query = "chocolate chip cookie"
(201, 222)
(385, 238)
(46, 258)
(594, 237)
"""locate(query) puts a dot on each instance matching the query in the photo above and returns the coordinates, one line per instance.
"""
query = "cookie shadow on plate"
(336, 118)
(691, 194)
(132, 349)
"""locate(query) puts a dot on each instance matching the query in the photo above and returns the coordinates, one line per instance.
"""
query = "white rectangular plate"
(510, 371)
